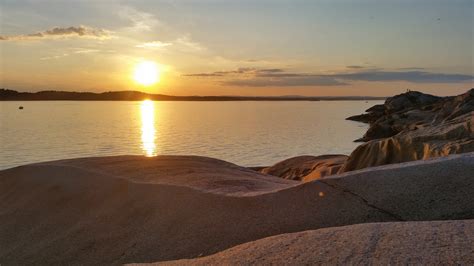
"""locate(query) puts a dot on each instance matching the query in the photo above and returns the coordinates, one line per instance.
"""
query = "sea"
(247, 133)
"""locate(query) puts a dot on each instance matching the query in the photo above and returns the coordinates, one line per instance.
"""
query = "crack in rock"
(366, 202)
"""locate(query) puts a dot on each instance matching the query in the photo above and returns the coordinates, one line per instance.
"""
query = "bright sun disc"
(146, 73)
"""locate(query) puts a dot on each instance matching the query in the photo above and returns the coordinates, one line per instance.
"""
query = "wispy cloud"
(59, 32)
(182, 44)
(153, 45)
(85, 51)
(409, 76)
(75, 51)
(140, 20)
(355, 67)
(188, 44)
(285, 82)
(411, 68)
(214, 74)
(279, 77)
(239, 71)
(275, 77)
(54, 56)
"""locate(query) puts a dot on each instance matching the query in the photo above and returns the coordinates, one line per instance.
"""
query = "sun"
(146, 73)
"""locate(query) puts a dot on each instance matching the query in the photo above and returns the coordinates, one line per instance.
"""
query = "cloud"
(54, 56)
(153, 45)
(215, 74)
(285, 82)
(253, 77)
(411, 68)
(181, 44)
(188, 44)
(355, 67)
(141, 21)
(241, 71)
(58, 32)
(283, 75)
(75, 51)
(276, 77)
(144, 22)
(86, 51)
(271, 70)
(409, 76)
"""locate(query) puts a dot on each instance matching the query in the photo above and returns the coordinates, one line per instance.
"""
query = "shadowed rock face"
(410, 99)
(404, 101)
(306, 168)
(415, 126)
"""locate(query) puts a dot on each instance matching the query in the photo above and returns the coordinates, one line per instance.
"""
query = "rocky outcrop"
(402, 102)
(306, 168)
(410, 99)
(371, 115)
(401, 112)
(415, 126)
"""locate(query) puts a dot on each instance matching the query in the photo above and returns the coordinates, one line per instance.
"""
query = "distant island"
(12, 95)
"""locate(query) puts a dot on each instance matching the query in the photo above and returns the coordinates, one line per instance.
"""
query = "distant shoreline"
(11, 95)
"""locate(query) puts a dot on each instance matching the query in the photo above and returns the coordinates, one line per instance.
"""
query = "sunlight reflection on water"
(147, 112)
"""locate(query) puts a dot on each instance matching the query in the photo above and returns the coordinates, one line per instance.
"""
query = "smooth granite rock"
(397, 243)
(132, 209)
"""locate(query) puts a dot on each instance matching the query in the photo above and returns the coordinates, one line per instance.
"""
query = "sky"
(317, 48)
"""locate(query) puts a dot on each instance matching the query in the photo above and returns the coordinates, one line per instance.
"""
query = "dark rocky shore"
(195, 210)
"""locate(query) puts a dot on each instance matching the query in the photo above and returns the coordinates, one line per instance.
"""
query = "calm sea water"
(245, 133)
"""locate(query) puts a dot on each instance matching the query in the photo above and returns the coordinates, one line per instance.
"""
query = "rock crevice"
(359, 197)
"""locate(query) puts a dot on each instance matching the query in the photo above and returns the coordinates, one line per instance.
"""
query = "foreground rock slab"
(396, 243)
(131, 209)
